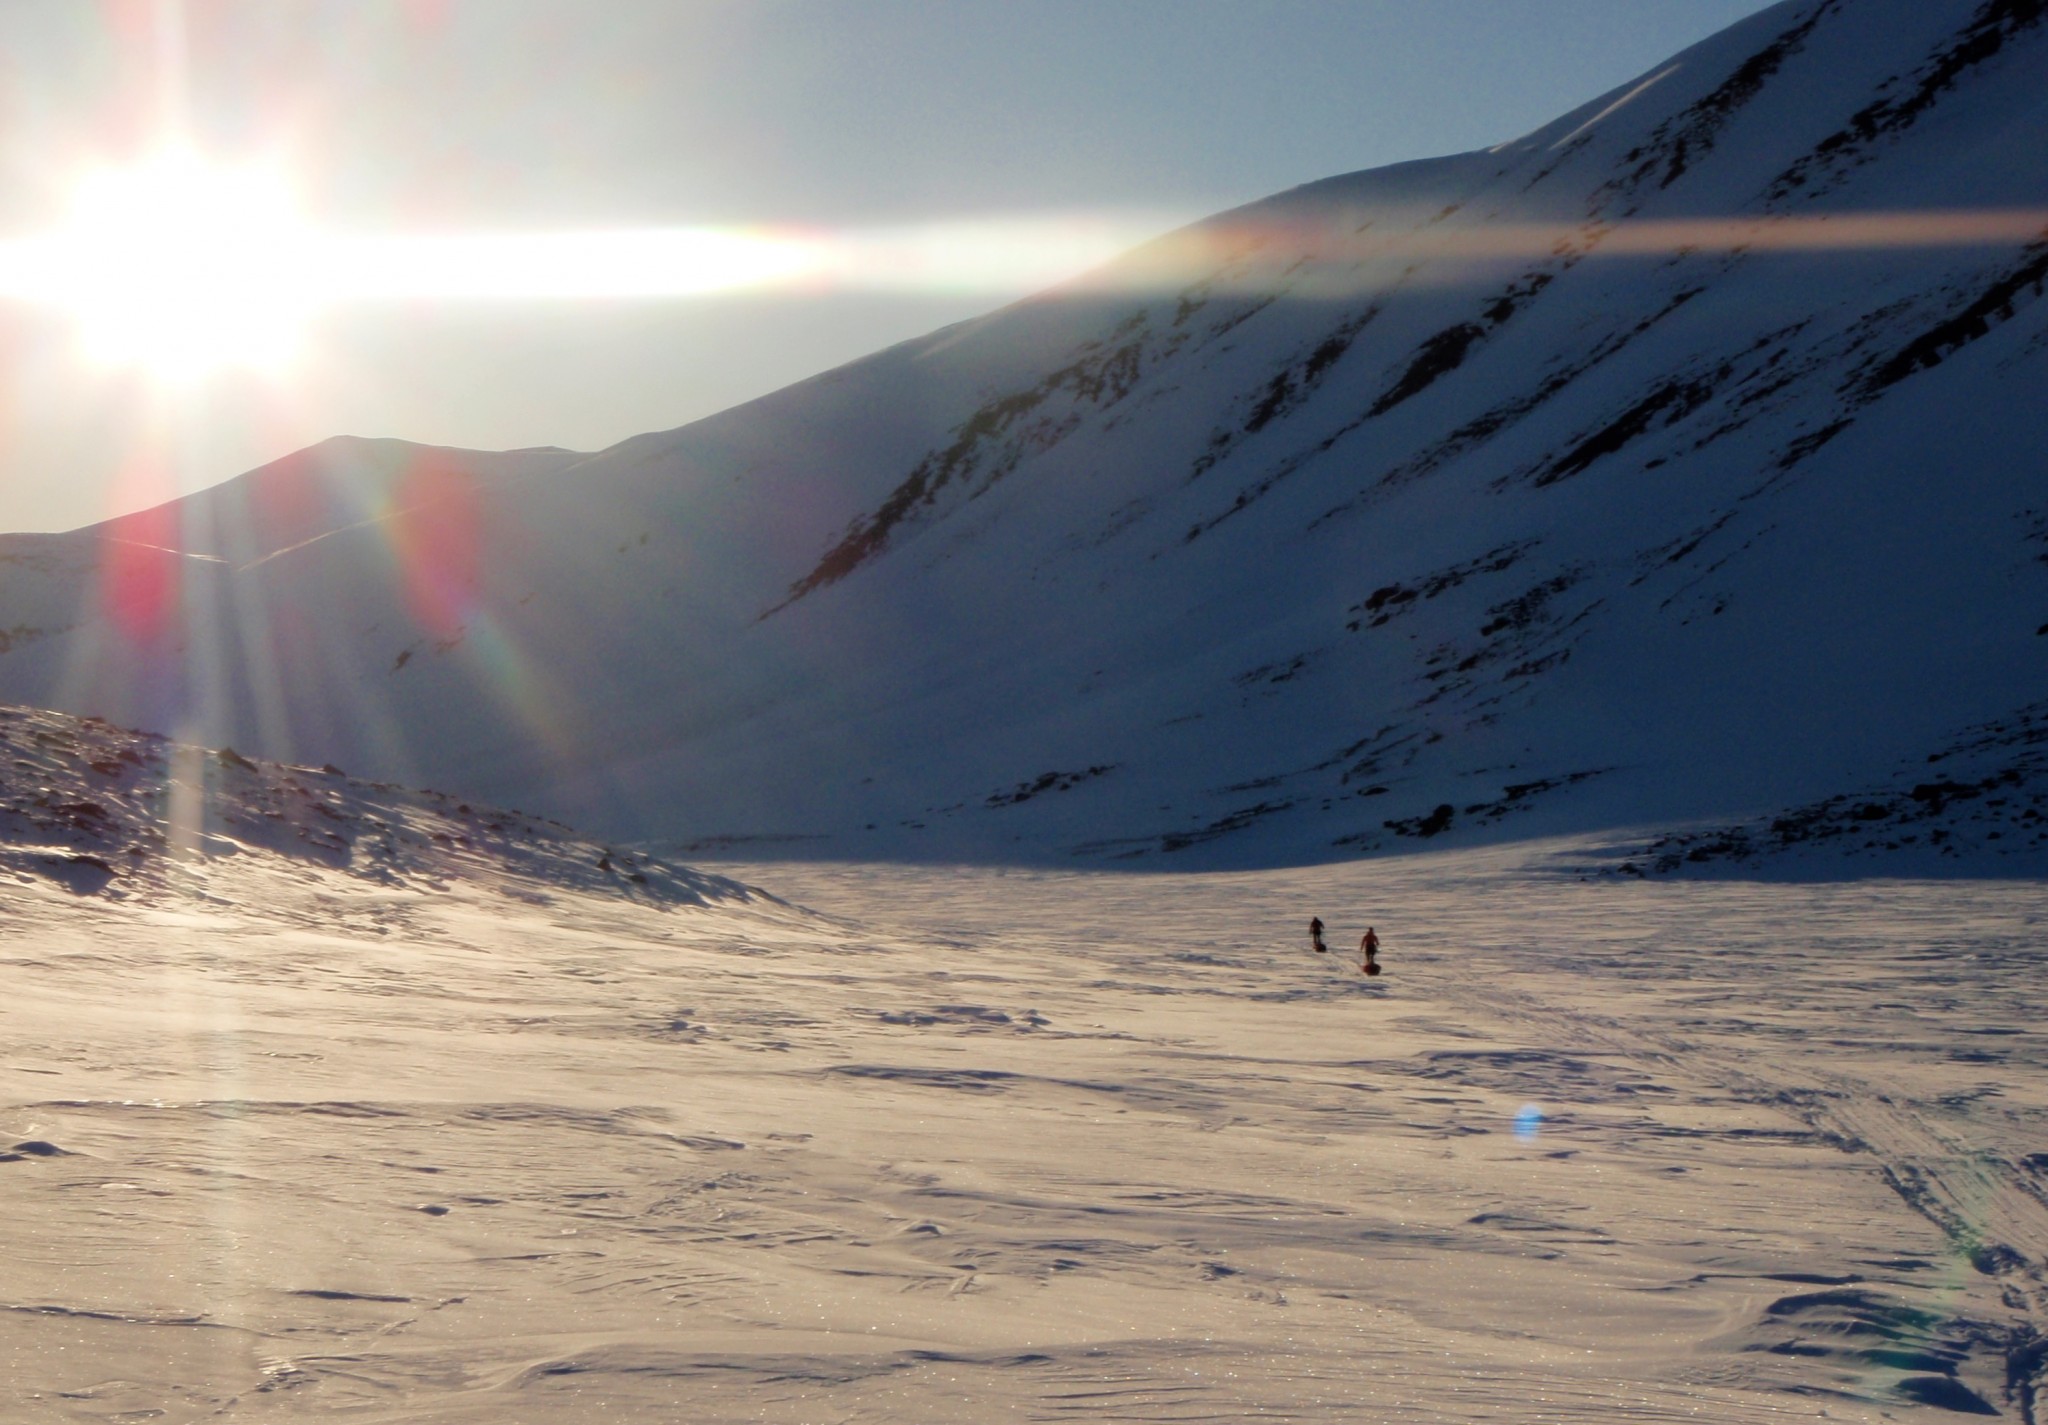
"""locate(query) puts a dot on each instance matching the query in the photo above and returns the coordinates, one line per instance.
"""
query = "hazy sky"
(1117, 117)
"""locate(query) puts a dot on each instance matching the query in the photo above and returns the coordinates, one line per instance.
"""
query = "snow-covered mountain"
(1685, 460)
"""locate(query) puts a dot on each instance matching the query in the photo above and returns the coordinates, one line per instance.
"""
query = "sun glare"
(182, 268)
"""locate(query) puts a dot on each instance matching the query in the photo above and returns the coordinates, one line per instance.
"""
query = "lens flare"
(432, 530)
(185, 267)
(1528, 1122)
(141, 567)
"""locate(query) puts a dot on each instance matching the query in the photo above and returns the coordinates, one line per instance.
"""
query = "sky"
(965, 152)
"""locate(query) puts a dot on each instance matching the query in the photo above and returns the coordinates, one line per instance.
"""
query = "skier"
(1368, 952)
(1315, 935)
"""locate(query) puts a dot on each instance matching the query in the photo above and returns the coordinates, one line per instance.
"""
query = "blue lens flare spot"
(1528, 1122)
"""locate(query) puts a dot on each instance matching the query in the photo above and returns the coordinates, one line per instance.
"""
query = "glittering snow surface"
(426, 1132)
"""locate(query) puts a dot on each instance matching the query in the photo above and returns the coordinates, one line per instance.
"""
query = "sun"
(184, 268)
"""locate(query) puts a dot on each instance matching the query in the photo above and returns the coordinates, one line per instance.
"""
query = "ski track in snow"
(280, 1144)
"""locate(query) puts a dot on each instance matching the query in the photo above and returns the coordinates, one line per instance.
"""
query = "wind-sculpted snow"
(1683, 442)
(280, 1144)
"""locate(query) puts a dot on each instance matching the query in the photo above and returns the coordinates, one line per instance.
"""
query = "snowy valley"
(342, 1103)
(1613, 566)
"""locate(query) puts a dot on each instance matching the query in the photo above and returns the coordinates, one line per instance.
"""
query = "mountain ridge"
(1672, 463)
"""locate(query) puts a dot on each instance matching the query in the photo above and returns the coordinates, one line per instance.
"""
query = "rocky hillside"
(104, 810)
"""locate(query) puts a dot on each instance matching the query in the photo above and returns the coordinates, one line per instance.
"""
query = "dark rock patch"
(1994, 26)
(1681, 141)
(1995, 304)
(1047, 782)
(1433, 824)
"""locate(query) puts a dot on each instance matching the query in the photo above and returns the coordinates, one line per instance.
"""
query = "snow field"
(979, 1145)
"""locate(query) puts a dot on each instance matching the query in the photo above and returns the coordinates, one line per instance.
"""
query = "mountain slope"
(1680, 460)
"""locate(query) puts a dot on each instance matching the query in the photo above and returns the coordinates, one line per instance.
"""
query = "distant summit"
(1684, 461)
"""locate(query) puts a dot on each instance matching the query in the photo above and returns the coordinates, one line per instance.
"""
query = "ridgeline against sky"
(1679, 460)
(501, 223)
